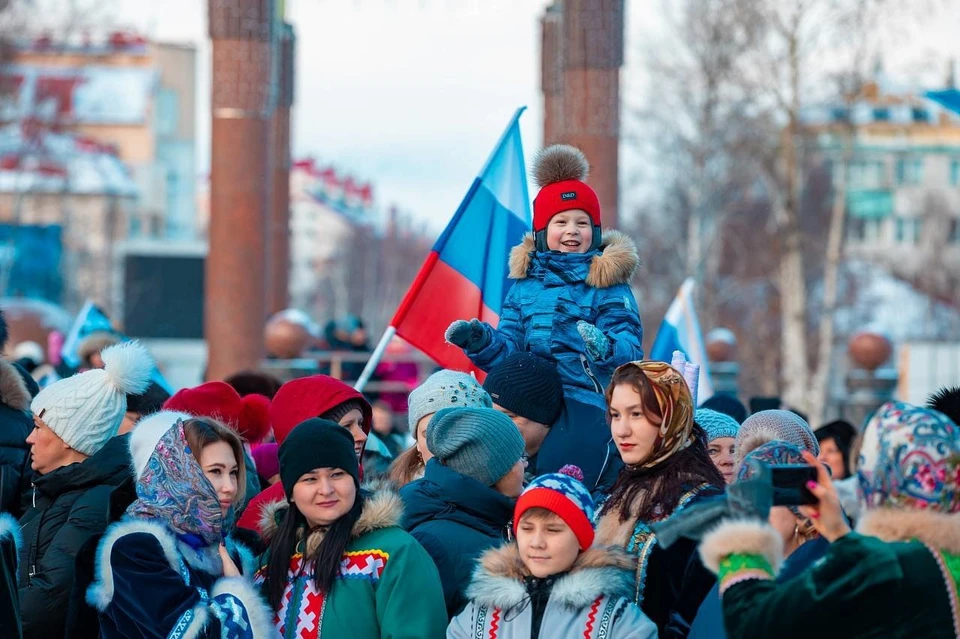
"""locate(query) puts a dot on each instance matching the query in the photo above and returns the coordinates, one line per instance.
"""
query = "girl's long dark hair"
(325, 559)
(660, 487)
(663, 485)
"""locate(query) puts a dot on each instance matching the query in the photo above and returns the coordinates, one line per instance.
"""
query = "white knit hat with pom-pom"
(86, 410)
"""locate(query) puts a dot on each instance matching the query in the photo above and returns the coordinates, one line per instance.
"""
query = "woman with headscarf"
(667, 468)
(895, 577)
(166, 570)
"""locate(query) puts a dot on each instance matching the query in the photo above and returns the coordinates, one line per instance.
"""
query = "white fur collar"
(9, 527)
(941, 531)
(598, 571)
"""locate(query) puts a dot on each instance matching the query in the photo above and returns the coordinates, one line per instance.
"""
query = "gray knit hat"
(441, 390)
(481, 443)
(774, 425)
(716, 424)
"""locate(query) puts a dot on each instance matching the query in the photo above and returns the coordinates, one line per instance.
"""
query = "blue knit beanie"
(716, 424)
(444, 389)
(481, 443)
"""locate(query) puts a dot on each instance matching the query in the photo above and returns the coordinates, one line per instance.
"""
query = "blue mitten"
(598, 344)
(471, 336)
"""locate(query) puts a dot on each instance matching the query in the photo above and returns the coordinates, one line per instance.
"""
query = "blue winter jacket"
(552, 293)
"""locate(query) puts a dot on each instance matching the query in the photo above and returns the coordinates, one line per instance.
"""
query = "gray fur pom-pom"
(558, 163)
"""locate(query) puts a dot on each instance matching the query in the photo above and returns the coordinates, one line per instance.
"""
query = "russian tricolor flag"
(680, 331)
(465, 275)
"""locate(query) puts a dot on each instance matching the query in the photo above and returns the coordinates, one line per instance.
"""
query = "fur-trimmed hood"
(13, 388)
(381, 509)
(938, 530)
(498, 580)
(615, 264)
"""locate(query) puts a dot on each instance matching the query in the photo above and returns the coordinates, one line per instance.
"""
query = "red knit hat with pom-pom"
(560, 171)
(249, 416)
(563, 494)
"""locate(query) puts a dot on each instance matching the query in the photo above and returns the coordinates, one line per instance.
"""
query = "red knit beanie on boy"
(563, 494)
(560, 171)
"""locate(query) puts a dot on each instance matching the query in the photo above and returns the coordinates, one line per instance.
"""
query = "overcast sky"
(412, 94)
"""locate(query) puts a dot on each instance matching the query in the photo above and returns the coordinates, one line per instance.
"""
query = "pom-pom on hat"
(560, 171)
(249, 416)
(563, 494)
(86, 410)
(910, 459)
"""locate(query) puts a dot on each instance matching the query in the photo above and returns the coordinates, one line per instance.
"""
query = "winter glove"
(598, 344)
(690, 372)
(470, 336)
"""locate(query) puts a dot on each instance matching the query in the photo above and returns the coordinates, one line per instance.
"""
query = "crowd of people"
(525, 506)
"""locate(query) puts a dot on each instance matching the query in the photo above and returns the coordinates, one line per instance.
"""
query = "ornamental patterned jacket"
(670, 583)
(591, 601)
(388, 587)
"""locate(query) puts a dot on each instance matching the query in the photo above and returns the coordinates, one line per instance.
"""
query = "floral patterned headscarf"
(173, 489)
(676, 406)
(910, 458)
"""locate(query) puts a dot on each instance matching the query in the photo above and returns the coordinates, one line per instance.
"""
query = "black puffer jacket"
(15, 425)
(72, 504)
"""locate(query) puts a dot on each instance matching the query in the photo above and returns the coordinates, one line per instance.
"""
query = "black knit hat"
(316, 443)
(528, 386)
(149, 401)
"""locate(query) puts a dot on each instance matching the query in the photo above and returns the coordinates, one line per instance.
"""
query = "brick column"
(551, 73)
(592, 57)
(278, 282)
(235, 290)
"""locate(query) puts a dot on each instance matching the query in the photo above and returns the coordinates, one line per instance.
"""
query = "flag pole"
(375, 358)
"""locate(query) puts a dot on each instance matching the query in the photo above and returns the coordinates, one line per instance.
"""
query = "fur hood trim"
(616, 263)
(381, 509)
(598, 571)
(100, 593)
(938, 530)
(742, 537)
(13, 390)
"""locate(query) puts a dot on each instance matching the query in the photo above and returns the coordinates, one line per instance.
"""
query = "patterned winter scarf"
(174, 490)
(676, 406)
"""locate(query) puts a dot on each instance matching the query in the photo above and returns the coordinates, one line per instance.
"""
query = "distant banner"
(30, 261)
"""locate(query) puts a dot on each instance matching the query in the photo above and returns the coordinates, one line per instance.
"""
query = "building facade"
(903, 177)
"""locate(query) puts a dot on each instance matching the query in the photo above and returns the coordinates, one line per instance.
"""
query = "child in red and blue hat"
(571, 303)
(552, 582)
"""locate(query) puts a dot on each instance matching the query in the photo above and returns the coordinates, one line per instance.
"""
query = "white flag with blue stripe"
(680, 331)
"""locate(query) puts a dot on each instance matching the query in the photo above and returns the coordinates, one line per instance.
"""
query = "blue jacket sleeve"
(506, 339)
(619, 319)
(150, 599)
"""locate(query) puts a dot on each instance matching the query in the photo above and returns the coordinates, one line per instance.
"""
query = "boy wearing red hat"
(552, 582)
(572, 302)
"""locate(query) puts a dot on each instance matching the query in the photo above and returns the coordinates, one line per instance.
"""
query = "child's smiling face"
(570, 232)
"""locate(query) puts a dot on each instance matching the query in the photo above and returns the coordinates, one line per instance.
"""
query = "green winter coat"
(388, 586)
(896, 577)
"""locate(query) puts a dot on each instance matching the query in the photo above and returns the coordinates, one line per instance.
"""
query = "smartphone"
(790, 484)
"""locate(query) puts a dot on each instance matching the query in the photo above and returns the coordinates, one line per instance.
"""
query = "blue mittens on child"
(598, 344)
(470, 336)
